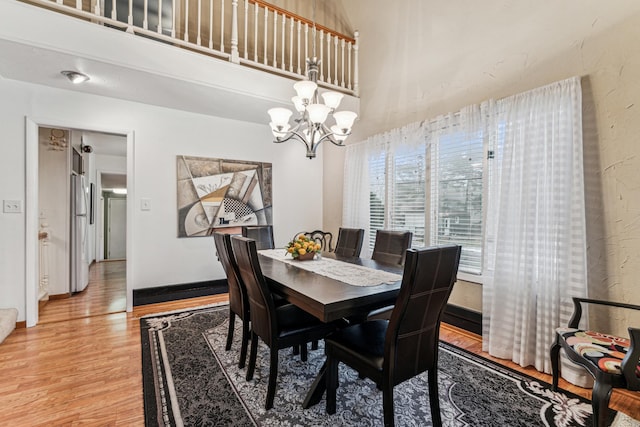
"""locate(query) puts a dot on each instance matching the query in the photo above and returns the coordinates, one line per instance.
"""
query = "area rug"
(190, 380)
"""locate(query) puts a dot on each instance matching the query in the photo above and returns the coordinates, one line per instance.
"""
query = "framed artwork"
(225, 194)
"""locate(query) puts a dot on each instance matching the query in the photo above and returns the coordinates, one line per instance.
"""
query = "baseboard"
(463, 318)
(178, 292)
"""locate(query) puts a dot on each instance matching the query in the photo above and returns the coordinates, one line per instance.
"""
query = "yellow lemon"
(297, 245)
(318, 246)
(290, 250)
(302, 237)
(301, 252)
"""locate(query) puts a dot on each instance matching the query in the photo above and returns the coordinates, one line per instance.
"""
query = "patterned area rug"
(189, 379)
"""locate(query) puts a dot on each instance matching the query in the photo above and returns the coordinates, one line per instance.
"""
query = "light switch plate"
(12, 206)
(145, 204)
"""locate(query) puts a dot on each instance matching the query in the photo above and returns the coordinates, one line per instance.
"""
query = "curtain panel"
(532, 245)
(535, 223)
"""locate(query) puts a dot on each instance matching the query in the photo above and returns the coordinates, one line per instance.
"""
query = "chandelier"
(310, 126)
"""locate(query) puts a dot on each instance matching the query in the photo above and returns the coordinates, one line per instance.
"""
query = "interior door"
(117, 229)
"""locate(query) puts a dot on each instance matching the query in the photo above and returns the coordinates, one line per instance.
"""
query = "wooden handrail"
(303, 20)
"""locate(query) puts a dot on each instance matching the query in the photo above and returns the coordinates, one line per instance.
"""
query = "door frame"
(32, 124)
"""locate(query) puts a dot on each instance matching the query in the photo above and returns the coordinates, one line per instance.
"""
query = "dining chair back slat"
(349, 242)
(262, 234)
(390, 246)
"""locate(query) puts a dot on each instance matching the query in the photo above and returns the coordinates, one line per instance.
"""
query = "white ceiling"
(36, 45)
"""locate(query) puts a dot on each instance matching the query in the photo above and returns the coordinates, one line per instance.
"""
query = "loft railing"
(248, 32)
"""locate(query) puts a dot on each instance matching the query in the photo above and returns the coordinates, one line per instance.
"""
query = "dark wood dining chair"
(262, 234)
(325, 238)
(349, 243)
(612, 361)
(390, 246)
(278, 326)
(391, 352)
(238, 298)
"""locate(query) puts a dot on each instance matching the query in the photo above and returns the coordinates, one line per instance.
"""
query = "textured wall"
(420, 59)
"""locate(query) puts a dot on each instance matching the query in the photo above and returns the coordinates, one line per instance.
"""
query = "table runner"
(350, 274)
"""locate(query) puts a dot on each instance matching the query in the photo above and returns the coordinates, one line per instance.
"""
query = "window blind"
(408, 192)
(377, 195)
(456, 195)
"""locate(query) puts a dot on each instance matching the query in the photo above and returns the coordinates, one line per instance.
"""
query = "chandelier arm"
(328, 136)
(295, 135)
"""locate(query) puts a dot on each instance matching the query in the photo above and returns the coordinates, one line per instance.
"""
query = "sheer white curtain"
(399, 151)
(356, 211)
(535, 244)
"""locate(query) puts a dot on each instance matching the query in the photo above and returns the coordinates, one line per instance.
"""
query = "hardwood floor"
(86, 371)
(106, 293)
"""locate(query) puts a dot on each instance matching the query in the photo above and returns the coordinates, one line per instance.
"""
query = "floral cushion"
(604, 351)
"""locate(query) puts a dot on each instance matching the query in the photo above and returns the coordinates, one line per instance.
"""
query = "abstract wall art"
(219, 193)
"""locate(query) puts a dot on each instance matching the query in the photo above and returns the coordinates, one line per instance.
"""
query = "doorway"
(114, 148)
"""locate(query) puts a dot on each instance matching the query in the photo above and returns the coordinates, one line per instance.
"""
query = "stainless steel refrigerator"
(79, 234)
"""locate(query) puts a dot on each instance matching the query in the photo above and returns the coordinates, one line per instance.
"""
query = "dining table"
(331, 288)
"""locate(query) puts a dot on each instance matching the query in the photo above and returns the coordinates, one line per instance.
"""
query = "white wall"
(53, 209)
(160, 134)
(423, 59)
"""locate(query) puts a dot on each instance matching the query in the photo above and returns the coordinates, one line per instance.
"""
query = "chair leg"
(314, 345)
(387, 404)
(331, 383)
(252, 356)
(600, 403)
(296, 350)
(554, 354)
(232, 324)
(273, 376)
(245, 342)
(303, 352)
(434, 399)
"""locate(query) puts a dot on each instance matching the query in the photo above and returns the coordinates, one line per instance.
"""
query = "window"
(456, 195)
(434, 188)
(377, 195)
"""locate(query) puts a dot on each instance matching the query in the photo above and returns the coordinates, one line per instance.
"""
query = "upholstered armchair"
(611, 360)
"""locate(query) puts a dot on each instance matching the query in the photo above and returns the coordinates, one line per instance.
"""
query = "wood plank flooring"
(71, 370)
